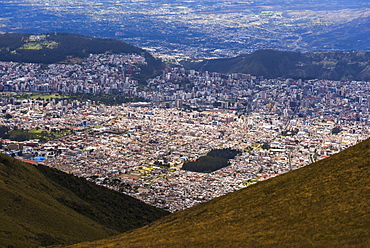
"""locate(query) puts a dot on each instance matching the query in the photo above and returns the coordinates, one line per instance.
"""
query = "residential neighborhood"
(138, 148)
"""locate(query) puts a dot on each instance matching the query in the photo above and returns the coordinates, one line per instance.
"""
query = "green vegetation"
(32, 46)
(43, 96)
(38, 43)
(23, 135)
(106, 99)
(214, 160)
(41, 206)
(68, 48)
(265, 146)
(274, 64)
(121, 214)
(325, 204)
(336, 130)
(111, 99)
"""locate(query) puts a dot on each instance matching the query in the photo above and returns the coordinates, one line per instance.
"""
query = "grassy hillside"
(325, 204)
(274, 64)
(43, 206)
(67, 48)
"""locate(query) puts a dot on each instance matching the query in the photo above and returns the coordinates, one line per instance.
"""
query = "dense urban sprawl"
(139, 148)
(97, 74)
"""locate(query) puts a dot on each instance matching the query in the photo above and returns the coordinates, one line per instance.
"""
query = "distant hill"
(353, 35)
(325, 204)
(274, 64)
(67, 48)
(40, 206)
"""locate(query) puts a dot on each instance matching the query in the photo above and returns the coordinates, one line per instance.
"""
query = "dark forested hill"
(325, 204)
(40, 206)
(67, 48)
(274, 64)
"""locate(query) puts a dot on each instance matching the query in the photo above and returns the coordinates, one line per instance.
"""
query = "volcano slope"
(325, 204)
(41, 206)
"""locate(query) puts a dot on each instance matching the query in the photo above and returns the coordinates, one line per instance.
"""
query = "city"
(138, 148)
(184, 123)
(200, 29)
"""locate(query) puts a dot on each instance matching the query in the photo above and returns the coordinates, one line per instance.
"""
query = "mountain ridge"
(286, 64)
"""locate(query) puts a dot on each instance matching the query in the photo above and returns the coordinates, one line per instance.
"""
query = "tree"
(266, 146)
(336, 130)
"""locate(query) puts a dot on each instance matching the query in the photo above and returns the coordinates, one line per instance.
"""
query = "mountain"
(274, 64)
(325, 204)
(343, 37)
(67, 48)
(41, 206)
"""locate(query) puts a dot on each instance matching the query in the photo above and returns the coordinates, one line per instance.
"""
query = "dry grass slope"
(325, 204)
(33, 209)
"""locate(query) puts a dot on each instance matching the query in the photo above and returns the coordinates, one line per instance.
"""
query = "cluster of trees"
(116, 99)
(214, 160)
(4, 132)
(111, 99)
(336, 130)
